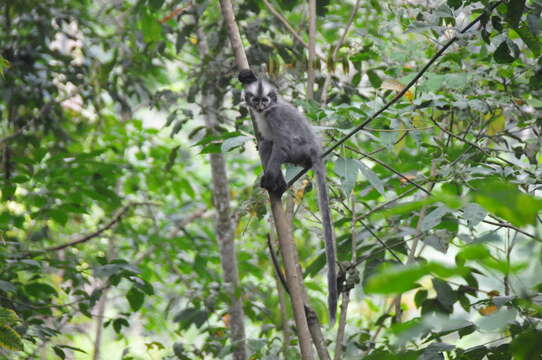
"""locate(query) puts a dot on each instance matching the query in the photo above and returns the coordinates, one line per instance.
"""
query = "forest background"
(132, 224)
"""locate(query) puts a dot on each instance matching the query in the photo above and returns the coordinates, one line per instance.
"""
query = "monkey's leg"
(272, 179)
(265, 149)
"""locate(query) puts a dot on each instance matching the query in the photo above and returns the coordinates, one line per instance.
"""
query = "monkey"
(287, 137)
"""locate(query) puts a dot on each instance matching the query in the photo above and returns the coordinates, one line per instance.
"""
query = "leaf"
(8, 316)
(233, 142)
(506, 201)
(532, 42)
(373, 179)
(10, 339)
(135, 298)
(150, 27)
(434, 351)
(502, 54)
(487, 310)
(119, 323)
(321, 7)
(445, 295)
(59, 352)
(171, 158)
(496, 125)
(374, 79)
(190, 316)
(72, 348)
(439, 240)
(40, 290)
(347, 169)
(7, 286)
(514, 12)
(474, 214)
(395, 279)
(497, 320)
(433, 218)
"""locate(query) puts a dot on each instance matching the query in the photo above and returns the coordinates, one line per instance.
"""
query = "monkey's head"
(259, 94)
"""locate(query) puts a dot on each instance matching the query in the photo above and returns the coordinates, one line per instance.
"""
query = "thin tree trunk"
(224, 222)
(287, 246)
(102, 304)
(99, 326)
(312, 49)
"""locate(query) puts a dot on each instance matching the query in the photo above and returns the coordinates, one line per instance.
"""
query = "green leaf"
(150, 27)
(374, 79)
(395, 279)
(531, 40)
(502, 54)
(347, 169)
(135, 298)
(190, 316)
(433, 218)
(321, 7)
(10, 339)
(474, 214)
(234, 142)
(8, 316)
(439, 240)
(373, 179)
(119, 323)
(59, 352)
(156, 4)
(505, 200)
(445, 295)
(497, 320)
(40, 290)
(7, 286)
(514, 12)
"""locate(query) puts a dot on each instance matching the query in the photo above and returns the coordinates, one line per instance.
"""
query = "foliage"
(104, 150)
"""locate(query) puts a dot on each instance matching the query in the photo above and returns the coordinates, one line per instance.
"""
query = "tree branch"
(401, 93)
(116, 218)
(287, 245)
(312, 50)
(323, 97)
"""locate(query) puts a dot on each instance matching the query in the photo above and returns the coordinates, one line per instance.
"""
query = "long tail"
(323, 203)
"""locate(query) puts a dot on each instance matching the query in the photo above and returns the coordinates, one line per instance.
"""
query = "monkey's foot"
(275, 184)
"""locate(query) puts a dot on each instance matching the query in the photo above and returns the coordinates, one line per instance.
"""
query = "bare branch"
(312, 50)
(116, 218)
(336, 50)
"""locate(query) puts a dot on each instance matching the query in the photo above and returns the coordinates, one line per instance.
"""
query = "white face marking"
(260, 95)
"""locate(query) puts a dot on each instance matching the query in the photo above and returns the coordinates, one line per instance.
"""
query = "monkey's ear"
(246, 76)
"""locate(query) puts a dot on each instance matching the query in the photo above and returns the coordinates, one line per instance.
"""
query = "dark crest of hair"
(247, 77)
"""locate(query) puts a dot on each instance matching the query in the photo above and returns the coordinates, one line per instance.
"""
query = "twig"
(312, 50)
(336, 51)
(401, 93)
(187, 220)
(116, 218)
(404, 177)
(346, 293)
(174, 13)
(285, 23)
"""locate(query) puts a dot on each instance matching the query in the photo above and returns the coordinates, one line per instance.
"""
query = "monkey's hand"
(274, 182)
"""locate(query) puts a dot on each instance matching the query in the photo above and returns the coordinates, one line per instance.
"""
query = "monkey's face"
(258, 103)
(260, 95)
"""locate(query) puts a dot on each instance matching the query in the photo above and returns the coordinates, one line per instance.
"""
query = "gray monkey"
(287, 137)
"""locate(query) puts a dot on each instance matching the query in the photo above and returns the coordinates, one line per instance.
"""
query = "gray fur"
(287, 137)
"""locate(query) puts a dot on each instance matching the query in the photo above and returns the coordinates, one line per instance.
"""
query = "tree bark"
(224, 222)
(284, 233)
(312, 49)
